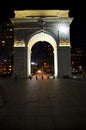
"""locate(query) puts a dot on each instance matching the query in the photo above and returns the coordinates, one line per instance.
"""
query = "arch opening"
(42, 59)
(42, 37)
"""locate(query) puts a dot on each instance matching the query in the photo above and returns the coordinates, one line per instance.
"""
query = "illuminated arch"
(41, 36)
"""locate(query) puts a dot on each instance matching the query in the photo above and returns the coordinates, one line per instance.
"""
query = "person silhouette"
(15, 77)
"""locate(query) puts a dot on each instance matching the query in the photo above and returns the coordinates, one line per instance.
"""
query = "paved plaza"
(48, 104)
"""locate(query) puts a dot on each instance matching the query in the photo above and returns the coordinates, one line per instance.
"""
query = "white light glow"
(64, 43)
(39, 71)
(32, 63)
(63, 28)
(19, 44)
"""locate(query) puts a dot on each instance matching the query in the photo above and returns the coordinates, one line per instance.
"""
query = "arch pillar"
(20, 61)
(64, 62)
(55, 63)
(28, 61)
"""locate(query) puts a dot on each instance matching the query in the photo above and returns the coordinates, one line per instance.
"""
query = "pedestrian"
(30, 77)
(48, 77)
(15, 77)
(36, 77)
(42, 77)
(83, 74)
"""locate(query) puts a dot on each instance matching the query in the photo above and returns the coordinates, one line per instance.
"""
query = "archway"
(42, 36)
(52, 26)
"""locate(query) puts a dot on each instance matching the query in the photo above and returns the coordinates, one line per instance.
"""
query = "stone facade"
(31, 27)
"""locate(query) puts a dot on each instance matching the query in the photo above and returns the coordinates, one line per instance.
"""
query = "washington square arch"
(32, 26)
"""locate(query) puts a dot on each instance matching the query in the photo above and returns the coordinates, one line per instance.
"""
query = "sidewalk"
(51, 104)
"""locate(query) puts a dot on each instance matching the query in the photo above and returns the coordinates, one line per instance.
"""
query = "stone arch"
(42, 25)
(42, 36)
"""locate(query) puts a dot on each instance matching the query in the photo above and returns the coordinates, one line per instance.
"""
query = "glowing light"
(39, 71)
(64, 43)
(32, 63)
(30, 13)
(10, 69)
(64, 33)
(63, 28)
(19, 44)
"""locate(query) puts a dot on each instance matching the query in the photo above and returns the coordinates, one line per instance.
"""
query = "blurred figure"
(42, 76)
(15, 77)
(83, 74)
(30, 77)
(36, 77)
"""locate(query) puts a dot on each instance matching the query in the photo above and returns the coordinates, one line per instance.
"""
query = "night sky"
(76, 7)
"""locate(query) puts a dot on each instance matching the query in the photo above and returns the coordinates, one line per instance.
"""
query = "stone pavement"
(51, 104)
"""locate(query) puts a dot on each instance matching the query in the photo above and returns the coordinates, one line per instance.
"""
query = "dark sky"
(76, 7)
